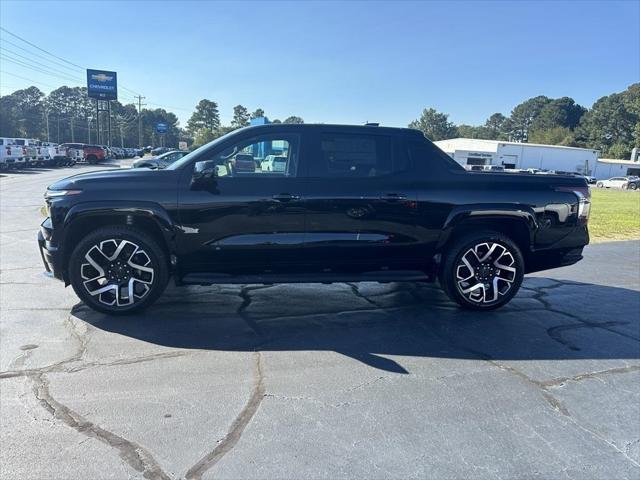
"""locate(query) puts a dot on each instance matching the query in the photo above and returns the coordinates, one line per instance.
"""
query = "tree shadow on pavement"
(548, 320)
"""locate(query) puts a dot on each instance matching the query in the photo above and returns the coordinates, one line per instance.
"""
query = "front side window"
(355, 156)
(272, 155)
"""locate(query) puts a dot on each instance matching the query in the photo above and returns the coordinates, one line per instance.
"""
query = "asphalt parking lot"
(317, 381)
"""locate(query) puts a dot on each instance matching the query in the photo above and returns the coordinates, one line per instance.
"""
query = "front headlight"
(60, 193)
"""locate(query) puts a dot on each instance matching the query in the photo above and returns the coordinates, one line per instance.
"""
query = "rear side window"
(425, 154)
(356, 156)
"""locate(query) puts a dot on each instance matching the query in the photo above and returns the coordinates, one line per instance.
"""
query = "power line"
(54, 55)
(41, 49)
(37, 55)
(70, 63)
(37, 69)
(35, 62)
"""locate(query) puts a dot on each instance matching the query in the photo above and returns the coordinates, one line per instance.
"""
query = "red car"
(91, 153)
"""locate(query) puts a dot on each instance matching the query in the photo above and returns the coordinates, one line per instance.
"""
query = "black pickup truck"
(342, 204)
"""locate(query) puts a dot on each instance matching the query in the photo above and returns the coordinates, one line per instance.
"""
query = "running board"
(270, 278)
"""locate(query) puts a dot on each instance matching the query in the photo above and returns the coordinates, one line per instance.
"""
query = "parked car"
(30, 152)
(159, 151)
(633, 183)
(91, 154)
(613, 182)
(362, 204)
(161, 161)
(57, 155)
(11, 155)
(274, 163)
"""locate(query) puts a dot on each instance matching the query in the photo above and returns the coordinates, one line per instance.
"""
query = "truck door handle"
(285, 197)
(390, 197)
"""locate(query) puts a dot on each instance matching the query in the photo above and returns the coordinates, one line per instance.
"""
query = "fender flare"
(493, 211)
(150, 210)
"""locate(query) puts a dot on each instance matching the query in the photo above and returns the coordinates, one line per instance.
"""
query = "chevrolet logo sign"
(101, 77)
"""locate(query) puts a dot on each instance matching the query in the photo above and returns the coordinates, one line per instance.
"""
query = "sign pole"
(97, 122)
(109, 122)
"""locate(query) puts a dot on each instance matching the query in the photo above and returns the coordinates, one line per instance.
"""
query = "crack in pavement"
(141, 459)
(237, 427)
(255, 399)
(133, 454)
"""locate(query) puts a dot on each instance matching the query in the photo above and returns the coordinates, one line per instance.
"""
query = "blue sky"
(342, 62)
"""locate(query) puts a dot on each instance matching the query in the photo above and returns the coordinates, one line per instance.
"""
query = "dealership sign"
(162, 127)
(102, 85)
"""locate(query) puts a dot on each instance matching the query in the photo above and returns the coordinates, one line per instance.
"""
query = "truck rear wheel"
(118, 270)
(482, 271)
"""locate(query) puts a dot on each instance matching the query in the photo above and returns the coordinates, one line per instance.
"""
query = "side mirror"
(204, 170)
(203, 174)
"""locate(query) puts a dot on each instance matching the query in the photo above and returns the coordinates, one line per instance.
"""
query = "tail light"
(8, 151)
(584, 201)
(24, 151)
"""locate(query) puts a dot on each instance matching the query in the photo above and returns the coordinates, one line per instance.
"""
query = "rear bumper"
(49, 253)
(553, 259)
(563, 253)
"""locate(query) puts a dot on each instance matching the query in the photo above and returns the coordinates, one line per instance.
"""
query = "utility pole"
(140, 98)
(73, 137)
(46, 116)
(89, 128)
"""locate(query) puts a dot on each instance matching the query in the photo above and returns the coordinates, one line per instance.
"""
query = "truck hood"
(107, 178)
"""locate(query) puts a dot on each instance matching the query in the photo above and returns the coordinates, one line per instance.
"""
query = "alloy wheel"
(485, 272)
(117, 272)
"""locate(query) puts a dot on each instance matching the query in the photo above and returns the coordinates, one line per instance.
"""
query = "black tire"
(92, 159)
(494, 293)
(632, 186)
(599, 184)
(119, 273)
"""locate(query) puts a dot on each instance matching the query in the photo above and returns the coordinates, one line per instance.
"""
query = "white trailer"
(472, 151)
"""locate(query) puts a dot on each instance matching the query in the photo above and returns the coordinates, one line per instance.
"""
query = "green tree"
(205, 116)
(523, 116)
(293, 119)
(203, 136)
(435, 125)
(22, 114)
(240, 117)
(612, 120)
(259, 113)
(470, 131)
(619, 150)
(560, 112)
(554, 136)
(495, 124)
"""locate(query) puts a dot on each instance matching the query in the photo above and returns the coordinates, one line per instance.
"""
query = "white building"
(471, 151)
(611, 167)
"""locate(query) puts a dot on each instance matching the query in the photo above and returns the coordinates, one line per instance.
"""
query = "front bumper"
(48, 252)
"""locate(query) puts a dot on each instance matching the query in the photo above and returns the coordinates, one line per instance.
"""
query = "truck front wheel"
(118, 270)
(482, 271)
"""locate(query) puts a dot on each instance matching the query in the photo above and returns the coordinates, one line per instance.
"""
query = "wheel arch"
(81, 220)
(515, 221)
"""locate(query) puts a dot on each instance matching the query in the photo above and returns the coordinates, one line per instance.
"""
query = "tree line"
(611, 125)
(67, 114)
